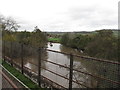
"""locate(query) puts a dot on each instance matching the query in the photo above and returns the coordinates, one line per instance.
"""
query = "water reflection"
(109, 71)
(65, 60)
(31, 61)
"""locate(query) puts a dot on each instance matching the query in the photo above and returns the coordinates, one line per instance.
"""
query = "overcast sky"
(62, 15)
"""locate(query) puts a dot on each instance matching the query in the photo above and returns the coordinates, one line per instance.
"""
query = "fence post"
(39, 66)
(71, 72)
(11, 55)
(4, 49)
(22, 58)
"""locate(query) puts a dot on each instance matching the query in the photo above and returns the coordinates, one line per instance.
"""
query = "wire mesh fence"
(99, 73)
(51, 68)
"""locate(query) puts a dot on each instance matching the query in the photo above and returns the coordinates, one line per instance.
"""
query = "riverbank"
(54, 40)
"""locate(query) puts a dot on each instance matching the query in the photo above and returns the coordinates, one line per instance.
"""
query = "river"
(62, 59)
(97, 68)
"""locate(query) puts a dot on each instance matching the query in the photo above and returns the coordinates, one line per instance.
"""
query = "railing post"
(4, 49)
(39, 66)
(22, 58)
(71, 72)
(11, 55)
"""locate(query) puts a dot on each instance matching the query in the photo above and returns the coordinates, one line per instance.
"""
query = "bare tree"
(11, 24)
(8, 23)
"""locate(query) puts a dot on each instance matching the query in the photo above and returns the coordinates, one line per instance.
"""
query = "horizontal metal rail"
(10, 82)
(55, 63)
(57, 51)
(56, 74)
(96, 59)
(86, 57)
(29, 69)
(64, 77)
(96, 76)
(15, 77)
(44, 77)
(41, 75)
(100, 77)
(53, 82)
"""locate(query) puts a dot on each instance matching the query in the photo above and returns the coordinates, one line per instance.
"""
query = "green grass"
(56, 40)
(21, 77)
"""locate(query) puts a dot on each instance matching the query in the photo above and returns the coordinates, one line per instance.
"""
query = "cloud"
(80, 13)
(86, 18)
(94, 16)
(63, 15)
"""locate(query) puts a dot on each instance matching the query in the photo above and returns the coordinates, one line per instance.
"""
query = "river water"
(62, 59)
(65, 60)
(94, 67)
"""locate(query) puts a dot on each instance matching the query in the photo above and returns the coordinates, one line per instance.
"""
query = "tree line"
(9, 28)
(102, 44)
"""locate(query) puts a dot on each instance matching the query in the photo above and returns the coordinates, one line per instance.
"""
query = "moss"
(21, 77)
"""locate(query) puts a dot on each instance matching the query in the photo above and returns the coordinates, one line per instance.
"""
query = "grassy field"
(21, 77)
(56, 40)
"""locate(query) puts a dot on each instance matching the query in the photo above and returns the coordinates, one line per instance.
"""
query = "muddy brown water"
(62, 59)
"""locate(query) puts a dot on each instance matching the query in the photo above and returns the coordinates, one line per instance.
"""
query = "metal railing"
(7, 82)
(104, 74)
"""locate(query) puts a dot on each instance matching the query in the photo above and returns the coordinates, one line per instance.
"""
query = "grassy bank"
(21, 77)
(55, 40)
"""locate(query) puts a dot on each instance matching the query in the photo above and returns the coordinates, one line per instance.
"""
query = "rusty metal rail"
(49, 71)
(30, 70)
(87, 57)
(44, 77)
(100, 76)
(10, 82)
(65, 77)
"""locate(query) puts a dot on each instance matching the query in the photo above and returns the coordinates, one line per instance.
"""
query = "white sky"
(62, 15)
